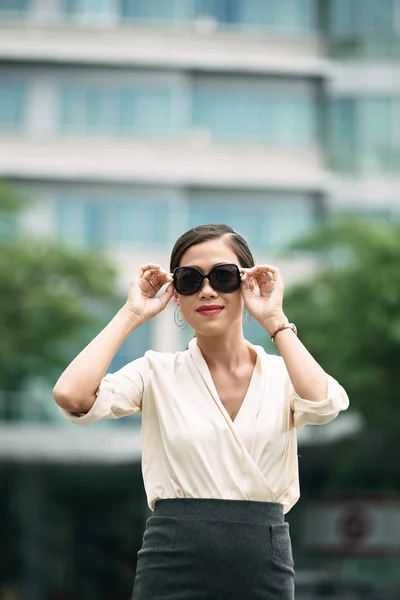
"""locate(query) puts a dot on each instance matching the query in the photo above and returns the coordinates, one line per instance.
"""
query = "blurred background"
(124, 123)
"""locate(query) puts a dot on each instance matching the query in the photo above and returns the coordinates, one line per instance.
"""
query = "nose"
(207, 291)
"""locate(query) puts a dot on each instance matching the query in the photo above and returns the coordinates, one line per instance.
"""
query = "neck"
(226, 351)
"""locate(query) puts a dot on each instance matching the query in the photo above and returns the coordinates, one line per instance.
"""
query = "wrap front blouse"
(191, 448)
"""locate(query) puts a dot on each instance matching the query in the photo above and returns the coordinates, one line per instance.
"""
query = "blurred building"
(132, 120)
(129, 121)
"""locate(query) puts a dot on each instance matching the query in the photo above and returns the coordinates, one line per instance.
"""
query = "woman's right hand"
(142, 302)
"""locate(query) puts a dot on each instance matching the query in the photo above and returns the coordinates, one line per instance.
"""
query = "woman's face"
(205, 256)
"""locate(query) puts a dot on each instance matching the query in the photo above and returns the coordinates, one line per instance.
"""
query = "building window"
(142, 221)
(13, 7)
(90, 10)
(151, 10)
(138, 342)
(283, 15)
(146, 112)
(290, 16)
(88, 110)
(267, 221)
(136, 111)
(364, 28)
(362, 17)
(365, 134)
(68, 220)
(127, 222)
(244, 112)
(12, 106)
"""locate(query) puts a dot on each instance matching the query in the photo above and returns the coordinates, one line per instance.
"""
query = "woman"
(219, 421)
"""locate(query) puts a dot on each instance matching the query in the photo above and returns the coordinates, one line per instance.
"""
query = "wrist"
(132, 319)
(271, 324)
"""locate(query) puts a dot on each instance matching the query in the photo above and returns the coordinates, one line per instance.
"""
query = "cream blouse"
(191, 448)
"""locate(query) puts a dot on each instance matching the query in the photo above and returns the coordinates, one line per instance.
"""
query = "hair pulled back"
(204, 233)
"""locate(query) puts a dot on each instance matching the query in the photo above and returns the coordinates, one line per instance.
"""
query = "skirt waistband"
(224, 510)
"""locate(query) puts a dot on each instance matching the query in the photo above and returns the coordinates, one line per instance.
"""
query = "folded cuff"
(310, 412)
(100, 409)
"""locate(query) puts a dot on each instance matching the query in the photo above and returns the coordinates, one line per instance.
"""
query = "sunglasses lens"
(187, 281)
(225, 278)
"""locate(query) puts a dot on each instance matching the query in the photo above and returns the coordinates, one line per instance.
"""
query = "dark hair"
(204, 233)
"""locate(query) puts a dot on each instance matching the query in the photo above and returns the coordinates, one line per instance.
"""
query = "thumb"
(245, 288)
(166, 296)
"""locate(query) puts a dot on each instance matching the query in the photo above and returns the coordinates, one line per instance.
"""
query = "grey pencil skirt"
(195, 549)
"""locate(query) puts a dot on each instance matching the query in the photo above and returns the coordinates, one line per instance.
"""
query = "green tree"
(51, 297)
(348, 316)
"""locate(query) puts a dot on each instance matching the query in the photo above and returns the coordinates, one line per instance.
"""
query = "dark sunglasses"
(223, 278)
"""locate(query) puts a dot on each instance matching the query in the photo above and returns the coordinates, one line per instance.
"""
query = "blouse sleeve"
(309, 412)
(118, 395)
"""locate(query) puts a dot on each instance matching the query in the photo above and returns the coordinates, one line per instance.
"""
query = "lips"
(212, 309)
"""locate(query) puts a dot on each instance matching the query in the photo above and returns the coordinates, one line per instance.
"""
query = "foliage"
(348, 317)
(51, 295)
(349, 314)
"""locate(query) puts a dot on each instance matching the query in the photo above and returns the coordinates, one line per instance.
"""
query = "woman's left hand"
(266, 308)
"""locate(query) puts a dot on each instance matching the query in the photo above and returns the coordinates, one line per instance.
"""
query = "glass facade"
(145, 111)
(284, 15)
(251, 110)
(267, 220)
(12, 105)
(365, 134)
(153, 10)
(364, 28)
(290, 16)
(111, 222)
(138, 342)
(89, 9)
(232, 109)
(14, 7)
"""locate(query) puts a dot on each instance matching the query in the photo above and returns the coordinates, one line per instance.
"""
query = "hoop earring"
(178, 318)
(246, 316)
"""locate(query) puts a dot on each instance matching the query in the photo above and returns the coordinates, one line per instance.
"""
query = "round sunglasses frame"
(207, 276)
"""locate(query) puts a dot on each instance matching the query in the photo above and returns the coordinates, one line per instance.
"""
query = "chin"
(211, 329)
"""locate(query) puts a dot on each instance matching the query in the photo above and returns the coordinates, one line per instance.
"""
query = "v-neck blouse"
(191, 448)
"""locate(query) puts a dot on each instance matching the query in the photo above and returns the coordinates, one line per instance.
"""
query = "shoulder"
(163, 360)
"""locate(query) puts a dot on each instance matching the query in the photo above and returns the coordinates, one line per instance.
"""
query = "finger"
(158, 281)
(167, 295)
(155, 274)
(274, 271)
(147, 267)
(245, 289)
(252, 276)
(246, 280)
(258, 269)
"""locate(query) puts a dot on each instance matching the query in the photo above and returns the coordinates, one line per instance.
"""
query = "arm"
(308, 378)
(317, 396)
(75, 390)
